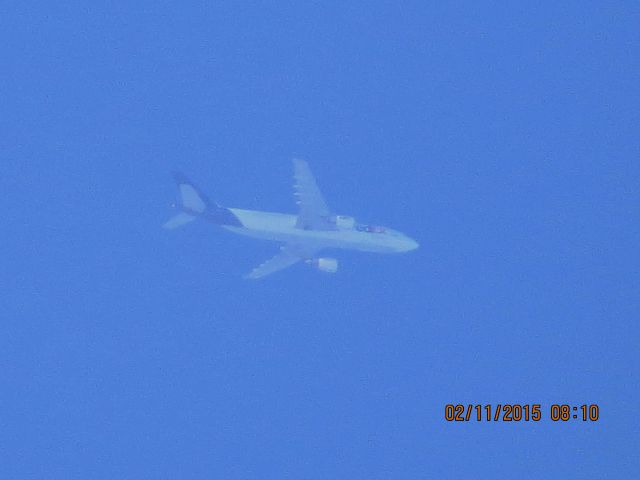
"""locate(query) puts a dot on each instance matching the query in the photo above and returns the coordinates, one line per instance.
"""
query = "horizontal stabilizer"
(179, 220)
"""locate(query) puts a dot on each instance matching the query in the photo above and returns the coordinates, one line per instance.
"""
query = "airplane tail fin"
(191, 203)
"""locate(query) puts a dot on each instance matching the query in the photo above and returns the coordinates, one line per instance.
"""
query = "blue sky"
(503, 137)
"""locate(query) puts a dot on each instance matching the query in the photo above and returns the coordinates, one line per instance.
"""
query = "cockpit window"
(371, 228)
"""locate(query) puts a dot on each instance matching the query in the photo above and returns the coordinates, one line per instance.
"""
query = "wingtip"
(180, 177)
(299, 161)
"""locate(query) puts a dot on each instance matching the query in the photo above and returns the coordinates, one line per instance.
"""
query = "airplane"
(303, 236)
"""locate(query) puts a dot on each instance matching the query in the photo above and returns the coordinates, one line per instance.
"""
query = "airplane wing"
(288, 255)
(314, 213)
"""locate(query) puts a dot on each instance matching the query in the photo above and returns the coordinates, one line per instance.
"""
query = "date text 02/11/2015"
(519, 412)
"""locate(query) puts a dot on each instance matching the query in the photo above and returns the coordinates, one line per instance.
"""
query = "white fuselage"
(281, 227)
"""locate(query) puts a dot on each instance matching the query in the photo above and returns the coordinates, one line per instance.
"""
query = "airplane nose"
(411, 244)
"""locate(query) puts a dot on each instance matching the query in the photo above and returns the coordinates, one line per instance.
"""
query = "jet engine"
(329, 265)
(344, 222)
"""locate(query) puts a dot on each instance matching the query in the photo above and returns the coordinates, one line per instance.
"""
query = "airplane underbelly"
(280, 227)
(281, 235)
(313, 238)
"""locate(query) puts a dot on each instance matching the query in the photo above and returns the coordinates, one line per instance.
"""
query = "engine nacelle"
(329, 265)
(345, 222)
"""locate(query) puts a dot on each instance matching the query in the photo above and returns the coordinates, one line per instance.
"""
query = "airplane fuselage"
(281, 227)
